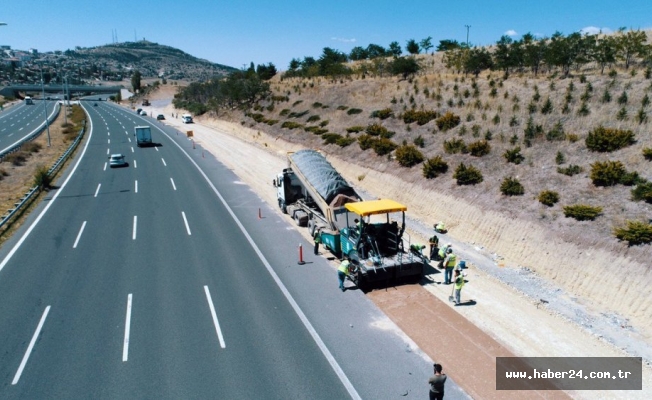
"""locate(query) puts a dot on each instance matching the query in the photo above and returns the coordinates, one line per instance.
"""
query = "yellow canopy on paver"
(374, 207)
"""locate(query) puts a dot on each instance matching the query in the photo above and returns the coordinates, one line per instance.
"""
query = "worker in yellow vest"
(343, 271)
(459, 284)
(449, 265)
(442, 255)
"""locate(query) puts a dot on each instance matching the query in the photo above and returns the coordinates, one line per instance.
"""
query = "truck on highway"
(370, 233)
(28, 100)
(186, 119)
(143, 136)
(146, 102)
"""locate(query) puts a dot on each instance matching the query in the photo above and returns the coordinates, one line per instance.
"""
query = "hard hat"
(449, 250)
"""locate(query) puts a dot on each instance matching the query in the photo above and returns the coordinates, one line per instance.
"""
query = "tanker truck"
(370, 233)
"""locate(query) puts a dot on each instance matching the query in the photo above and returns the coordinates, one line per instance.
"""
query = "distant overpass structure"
(13, 90)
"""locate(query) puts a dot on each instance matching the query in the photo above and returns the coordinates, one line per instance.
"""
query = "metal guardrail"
(15, 147)
(28, 197)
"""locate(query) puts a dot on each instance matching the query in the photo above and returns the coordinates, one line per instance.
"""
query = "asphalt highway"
(21, 120)
(169, 278)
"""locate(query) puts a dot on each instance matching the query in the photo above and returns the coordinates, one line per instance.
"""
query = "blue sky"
(236, 33)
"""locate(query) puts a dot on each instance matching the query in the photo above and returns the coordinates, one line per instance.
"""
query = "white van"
(186, 118)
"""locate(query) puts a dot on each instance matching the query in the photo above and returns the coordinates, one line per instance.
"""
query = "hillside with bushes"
(562, 140)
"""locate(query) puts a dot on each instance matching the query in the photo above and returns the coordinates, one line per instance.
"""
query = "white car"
(143, 113)
(117, 160)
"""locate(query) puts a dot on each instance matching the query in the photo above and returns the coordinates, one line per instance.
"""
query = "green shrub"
(570, 170)
(608, 139)
(582, 212)
(379, 130)
(313, 118)
(383, 146)
(291, 125)
(284, 112)
(421, 117)
(433, 167)
(345, 141)
(315, 129)
(257, 117)
(382, 114)
(298, 114)
(467, 175)
(607, 173)
(514, 155)
(547, 107)
(41, 177)
(408, 156)
(324, 123)
(366, 141)
(647, 153)
(559, 158)
(355, 129)
(643, 191)
(331, 138)
(279, 99)
(479, 148)
(32, 147)
(297, 103)
(548, 198)
(342, 108)
(17, 158)
(419, 142)
(556, 133)
(572, 137)
(271, 122)
(455, 146)
(317, 105)
(511, 187)
(353, 111)
(447, 121)
(636, 232)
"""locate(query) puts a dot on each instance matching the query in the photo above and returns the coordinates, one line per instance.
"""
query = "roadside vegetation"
(548, 120)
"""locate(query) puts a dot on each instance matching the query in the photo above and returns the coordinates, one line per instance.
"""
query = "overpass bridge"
(13, 90)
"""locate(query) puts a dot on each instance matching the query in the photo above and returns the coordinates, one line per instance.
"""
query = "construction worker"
(449, 264)
(343, 271)
(442, 254)
(440, 227)
(459, 284)
(434, 244)
(317, 243)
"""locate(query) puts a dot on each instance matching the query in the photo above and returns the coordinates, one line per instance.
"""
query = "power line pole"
(467, 35)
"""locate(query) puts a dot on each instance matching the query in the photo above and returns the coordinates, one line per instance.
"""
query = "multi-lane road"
(21, 120)
(161, 280)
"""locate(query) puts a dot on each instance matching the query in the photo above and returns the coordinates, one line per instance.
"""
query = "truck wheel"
(281, 205)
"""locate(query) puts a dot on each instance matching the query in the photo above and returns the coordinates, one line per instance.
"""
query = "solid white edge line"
(81, 230)
(183, 214)
(125, 344)
(214, 315)
(311, 330)
(47, 207)
(31, 346)
(173, 185)
(133, 233)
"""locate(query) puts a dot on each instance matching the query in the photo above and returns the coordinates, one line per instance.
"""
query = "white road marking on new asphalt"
(162, 159)
(109, 141)
(133, 233)
(135, 164)
(183, 214)
(173, 185)
(132, 149)
(47, 207)
(107, 151)
(136, 187)
(105, 165)
(125, 346)
(99, 185)
(215, 321)
(81, 230)
(31, 346)
(302, 316)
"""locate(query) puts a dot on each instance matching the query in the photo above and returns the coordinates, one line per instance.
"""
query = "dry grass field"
(582, 257)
